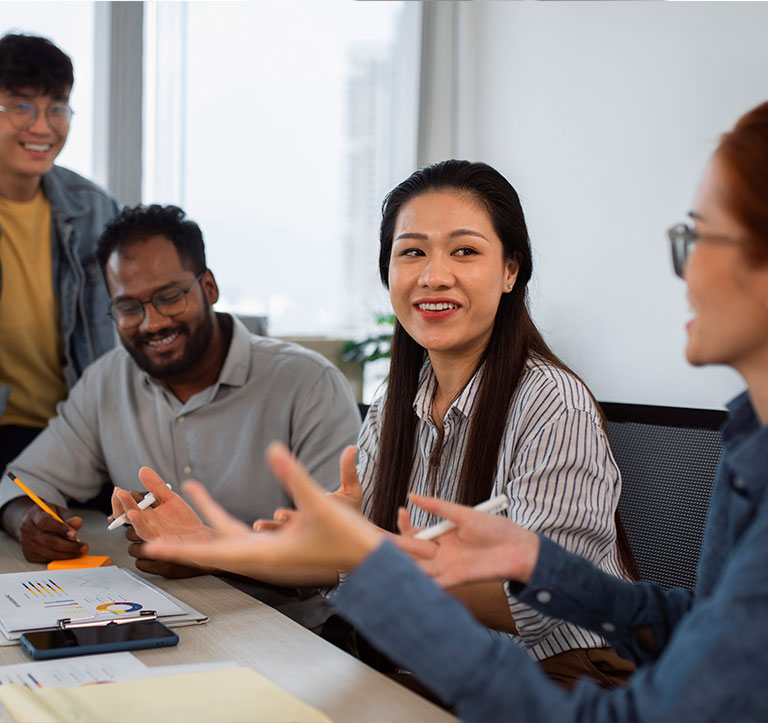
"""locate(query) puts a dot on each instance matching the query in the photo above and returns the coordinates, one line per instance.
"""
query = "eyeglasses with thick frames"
(23, 114)
(683, 238)
(170, 301)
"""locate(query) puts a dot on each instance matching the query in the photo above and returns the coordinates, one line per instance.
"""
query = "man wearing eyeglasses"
(52, 302)
(191, 393)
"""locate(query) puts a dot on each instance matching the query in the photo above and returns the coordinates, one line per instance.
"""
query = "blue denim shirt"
(79, 212)
(703, 655)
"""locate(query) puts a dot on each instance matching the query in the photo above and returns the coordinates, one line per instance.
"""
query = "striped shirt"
(555, 465)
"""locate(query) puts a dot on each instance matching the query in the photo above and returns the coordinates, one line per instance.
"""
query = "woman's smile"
(437, 310)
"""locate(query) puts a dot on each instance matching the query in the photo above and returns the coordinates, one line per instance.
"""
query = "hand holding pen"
(478, 546)
(46, 531)
(172, 517)
(491, 507)
(147, 501)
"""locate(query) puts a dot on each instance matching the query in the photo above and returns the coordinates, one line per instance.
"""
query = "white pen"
(491, 506)
(146, 501)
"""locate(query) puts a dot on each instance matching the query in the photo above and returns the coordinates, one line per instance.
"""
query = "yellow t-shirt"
(31, 348)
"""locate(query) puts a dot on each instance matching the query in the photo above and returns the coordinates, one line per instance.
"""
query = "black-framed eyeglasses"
(23, 114)
(169, 301)
(683, 238)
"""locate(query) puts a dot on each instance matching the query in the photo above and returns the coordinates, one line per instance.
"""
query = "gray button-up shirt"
(117, 418)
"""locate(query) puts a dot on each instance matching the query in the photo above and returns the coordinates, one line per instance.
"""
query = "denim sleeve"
(409, 618)
(711, 670)
(637, 619)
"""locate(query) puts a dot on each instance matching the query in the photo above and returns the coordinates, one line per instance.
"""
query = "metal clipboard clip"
(93, 621)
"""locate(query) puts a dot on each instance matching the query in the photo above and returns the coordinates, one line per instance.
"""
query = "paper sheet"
(69, 672)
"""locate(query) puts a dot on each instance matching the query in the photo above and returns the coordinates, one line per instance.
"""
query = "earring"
(509, 287)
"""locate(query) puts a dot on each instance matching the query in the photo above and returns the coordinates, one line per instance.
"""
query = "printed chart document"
(34, 600)
(87, 669)
(234, 695)
(70, 672)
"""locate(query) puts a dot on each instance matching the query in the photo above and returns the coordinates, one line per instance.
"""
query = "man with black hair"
(191, 393)
(53, 306)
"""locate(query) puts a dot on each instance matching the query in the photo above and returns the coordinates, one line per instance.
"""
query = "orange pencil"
(35, 498)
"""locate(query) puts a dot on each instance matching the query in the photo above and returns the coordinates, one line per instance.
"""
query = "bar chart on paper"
(30, 600)
(52, 596)
(74, 671)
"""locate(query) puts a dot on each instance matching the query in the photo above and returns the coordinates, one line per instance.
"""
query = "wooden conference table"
(252, 634)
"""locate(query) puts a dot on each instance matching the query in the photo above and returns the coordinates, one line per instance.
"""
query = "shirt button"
(181, 419)
(187, 470)
(608, 627)
(544, 596)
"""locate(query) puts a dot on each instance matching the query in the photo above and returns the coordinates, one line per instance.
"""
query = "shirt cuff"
(566, 586)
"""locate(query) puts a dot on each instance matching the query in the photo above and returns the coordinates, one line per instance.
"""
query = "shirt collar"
(745, 443)
(463, 404)
(237, 364)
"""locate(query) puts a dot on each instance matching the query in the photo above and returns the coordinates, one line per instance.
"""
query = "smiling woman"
(477, 404)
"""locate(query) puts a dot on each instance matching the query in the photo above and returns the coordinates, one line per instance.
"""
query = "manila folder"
(231, 695)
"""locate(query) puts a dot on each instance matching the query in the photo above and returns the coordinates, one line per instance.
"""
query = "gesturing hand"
(322, 534)
(482, 547)
(350, 491)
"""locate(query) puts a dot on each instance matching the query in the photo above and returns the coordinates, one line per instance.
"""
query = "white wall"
(602, 115)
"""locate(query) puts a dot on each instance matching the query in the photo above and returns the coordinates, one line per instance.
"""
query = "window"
(279, 126)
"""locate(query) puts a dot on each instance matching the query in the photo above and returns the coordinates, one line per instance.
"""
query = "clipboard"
(10, 633)
(93, 621)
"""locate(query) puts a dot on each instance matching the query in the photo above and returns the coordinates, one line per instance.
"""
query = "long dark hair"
(513, 339)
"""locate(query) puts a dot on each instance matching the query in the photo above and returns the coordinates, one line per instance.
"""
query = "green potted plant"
(377, 346)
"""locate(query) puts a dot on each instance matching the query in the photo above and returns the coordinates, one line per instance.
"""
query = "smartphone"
(63, 642)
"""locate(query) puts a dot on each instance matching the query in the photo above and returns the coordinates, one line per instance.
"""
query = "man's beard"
(196, 347)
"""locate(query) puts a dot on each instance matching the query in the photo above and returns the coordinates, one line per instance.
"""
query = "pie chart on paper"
(119, 607)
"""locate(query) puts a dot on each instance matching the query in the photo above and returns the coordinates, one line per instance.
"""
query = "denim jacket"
(702, 655)
(79, 212)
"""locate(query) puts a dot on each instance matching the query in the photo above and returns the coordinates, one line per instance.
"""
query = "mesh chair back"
(668, 457)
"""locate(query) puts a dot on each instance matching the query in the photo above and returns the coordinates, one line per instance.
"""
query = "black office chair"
(668, 457)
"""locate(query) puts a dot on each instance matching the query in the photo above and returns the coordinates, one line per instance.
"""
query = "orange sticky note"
(78, 562)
